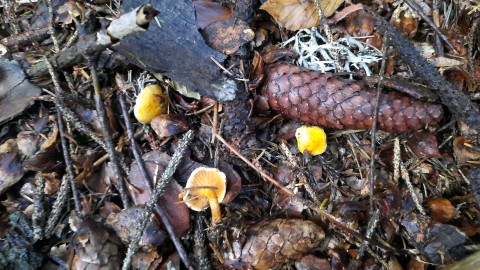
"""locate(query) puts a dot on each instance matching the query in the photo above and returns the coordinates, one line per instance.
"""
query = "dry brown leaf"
(299, 14)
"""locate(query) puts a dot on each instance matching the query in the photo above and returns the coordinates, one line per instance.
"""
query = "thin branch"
(375, 119)
(112, 153)
(159, 189)
(415, 7)
(309, 204)
(51, 26)
(38, 215)
(148, 182)
(249, 163)
(57, 208)
(65, 147)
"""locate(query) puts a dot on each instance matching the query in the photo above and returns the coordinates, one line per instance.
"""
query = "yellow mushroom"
(206, 187)
(311, 139)
(150, 102)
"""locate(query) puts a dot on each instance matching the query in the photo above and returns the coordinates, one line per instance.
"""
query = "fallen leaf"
(123, 222)
(424, 144)
(227, 36)
(464, 150)
(441, 210)
(298, 14)
(405, 21)
(167, 125)
(155, 163)
(311, 262)
(208, 12)
(11, 170)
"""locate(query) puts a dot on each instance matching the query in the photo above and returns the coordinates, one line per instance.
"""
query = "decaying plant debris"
(110, 111)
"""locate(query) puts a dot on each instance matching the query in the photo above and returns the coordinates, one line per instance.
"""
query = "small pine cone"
(321, 99)
(95, 247)
(280, 241)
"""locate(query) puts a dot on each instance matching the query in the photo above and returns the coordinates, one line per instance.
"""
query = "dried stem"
(148, 182)
(112, 153)
(159, 189)
(57, 208)
(406, 178)
(26, 37)
(65, 147)
(375, 119)
(415, 7)
(7, 8)
(249, 163)
(372, 224)
(199, 247)
(38, 215)
(51, 26)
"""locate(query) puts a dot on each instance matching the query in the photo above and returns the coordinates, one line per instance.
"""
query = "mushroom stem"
(214, 207)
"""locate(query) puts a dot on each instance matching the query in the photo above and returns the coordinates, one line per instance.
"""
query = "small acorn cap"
(149, 103)
(312, 139)
(206, 187)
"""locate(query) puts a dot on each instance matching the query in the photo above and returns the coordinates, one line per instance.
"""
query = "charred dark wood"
(175, 48)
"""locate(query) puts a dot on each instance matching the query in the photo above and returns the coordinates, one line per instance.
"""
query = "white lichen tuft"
(346, 54)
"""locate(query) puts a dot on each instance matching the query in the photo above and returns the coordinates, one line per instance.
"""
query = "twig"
(215, 122)
(472, 36)
(249, 163)
(148, 182)
(7, 8)
(436, 19)
(396, 160)
(57, 208)
(307, 203)
(372, 225)
(133, 22)
(26, 37)
(112, 153)
(406, 178)
(415, 7)
(51, 26)
(65, 147)
(159, 189)
(38, 215)
(375, 119)
(199, 247)
(323, 20)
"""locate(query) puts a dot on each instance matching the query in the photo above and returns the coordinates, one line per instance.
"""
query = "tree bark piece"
(176, 49)
(332, 102)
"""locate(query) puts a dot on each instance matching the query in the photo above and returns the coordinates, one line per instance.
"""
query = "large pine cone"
(321, 99)
(274, 242)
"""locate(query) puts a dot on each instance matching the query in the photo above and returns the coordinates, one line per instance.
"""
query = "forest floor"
(285, 134)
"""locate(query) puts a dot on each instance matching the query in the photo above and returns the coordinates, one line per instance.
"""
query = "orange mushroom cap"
(150, 102)
(311, 139)
(206, 187)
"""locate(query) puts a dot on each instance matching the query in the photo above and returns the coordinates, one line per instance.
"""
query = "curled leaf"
(297, 14)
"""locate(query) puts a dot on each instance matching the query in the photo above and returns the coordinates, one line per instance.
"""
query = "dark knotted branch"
(457, 102)
(26, 37)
